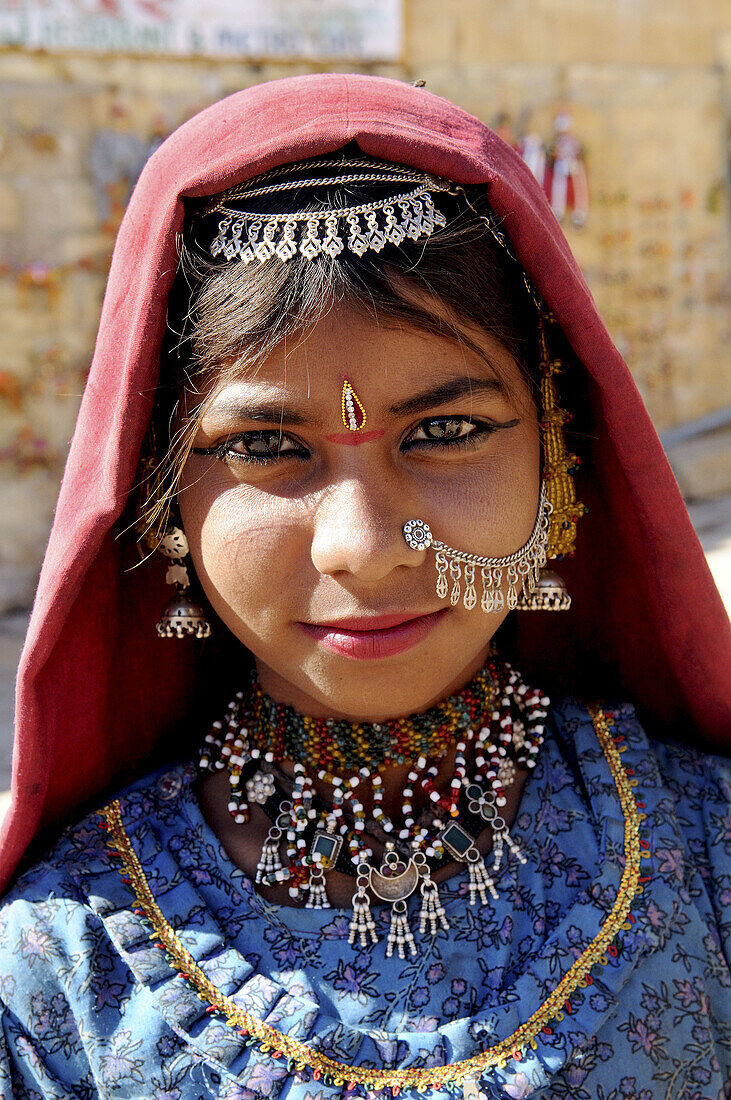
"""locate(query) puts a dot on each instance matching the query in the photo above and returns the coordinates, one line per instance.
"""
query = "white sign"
(367, 30)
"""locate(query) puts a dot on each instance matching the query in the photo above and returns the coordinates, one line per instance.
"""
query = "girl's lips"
(393, 635)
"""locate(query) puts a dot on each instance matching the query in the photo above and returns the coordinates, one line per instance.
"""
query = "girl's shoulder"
(64, 974)
(49, 904)
(676, 760)
(687, 787)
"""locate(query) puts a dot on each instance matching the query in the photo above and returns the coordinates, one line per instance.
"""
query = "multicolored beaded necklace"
(494, 726)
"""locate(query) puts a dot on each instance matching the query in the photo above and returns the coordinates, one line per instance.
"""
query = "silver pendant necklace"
(309, 838)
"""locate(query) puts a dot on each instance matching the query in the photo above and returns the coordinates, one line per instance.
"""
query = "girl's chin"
(323, 684)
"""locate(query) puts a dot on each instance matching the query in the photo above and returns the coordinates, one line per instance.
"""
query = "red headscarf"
(97, 688)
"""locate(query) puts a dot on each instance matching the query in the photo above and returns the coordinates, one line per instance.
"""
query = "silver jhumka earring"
(181, 615)
(521, 570)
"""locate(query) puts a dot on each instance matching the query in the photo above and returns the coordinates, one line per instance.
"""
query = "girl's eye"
(444, 427)
(265, 445)
(444, 430)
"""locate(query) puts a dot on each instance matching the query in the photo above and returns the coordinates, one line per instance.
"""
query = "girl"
(353, 401)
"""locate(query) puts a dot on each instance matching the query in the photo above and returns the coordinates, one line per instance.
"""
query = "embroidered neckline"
(302, 1059)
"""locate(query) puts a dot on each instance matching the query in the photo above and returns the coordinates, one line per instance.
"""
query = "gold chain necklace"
(300, 1058)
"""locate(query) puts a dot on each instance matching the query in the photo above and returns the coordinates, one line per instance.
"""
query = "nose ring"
(520, 569)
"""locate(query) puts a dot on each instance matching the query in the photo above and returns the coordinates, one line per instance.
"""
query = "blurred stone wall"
(644, 85)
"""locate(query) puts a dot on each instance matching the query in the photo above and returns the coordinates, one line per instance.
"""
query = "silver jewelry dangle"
(480, 881)
(550, 594)
(181, 615)
(432, 911)
(501, 839)
(481, 803)
(462, 846)
(362, 924)
(399, 934)
(269, 861)
(519, 573)
(316, 894)
(396, 881)
(324, 851)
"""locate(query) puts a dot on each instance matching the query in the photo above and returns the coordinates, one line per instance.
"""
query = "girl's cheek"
(240, 545)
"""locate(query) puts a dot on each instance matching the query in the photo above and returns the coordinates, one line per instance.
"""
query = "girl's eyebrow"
(277, 413)
(451, 390)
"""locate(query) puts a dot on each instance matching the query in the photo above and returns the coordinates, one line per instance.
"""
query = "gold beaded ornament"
(558, 465)
(351, 409)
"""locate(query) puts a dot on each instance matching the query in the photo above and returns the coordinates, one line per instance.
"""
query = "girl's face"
(294, 523)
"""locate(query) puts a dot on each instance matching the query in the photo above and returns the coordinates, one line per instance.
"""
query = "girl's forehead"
(387, 355)
(389, 361)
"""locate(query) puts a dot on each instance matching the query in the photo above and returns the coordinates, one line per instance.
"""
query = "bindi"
(353, 415)
(351, 408)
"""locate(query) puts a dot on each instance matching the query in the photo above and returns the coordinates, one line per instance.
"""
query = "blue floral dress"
(93, 1007)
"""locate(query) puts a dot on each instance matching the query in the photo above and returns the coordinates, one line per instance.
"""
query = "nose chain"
(495, 727)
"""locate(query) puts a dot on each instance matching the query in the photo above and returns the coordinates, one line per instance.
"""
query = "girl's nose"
(357, 530)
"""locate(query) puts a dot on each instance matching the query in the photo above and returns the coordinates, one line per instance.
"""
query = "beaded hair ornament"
(325, 228)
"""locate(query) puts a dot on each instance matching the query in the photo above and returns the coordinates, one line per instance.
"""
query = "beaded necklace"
(495, 726)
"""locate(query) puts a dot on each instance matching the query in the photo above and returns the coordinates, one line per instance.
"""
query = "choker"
(494, 727)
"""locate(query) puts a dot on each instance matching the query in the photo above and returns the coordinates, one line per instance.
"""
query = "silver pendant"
(316, 895)
(396, 880)
(399, 934)
(432, 910)
(362, 924)
(462, 846)
(325, 848)
(269, 861)
(480, 803)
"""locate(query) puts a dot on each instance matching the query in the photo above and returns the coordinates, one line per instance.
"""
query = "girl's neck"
(423, 792)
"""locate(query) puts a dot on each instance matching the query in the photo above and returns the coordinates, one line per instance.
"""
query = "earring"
(181, 615)
(550, 592)
(522, 568)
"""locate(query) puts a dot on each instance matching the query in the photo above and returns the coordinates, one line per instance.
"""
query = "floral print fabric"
(91, 1007)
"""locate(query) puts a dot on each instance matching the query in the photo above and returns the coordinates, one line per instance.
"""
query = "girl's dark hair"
(224, 318)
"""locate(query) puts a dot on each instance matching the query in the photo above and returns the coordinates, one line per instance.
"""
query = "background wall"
(645, 84)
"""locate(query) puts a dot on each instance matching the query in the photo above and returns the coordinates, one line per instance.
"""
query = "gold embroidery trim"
(300, 1057)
